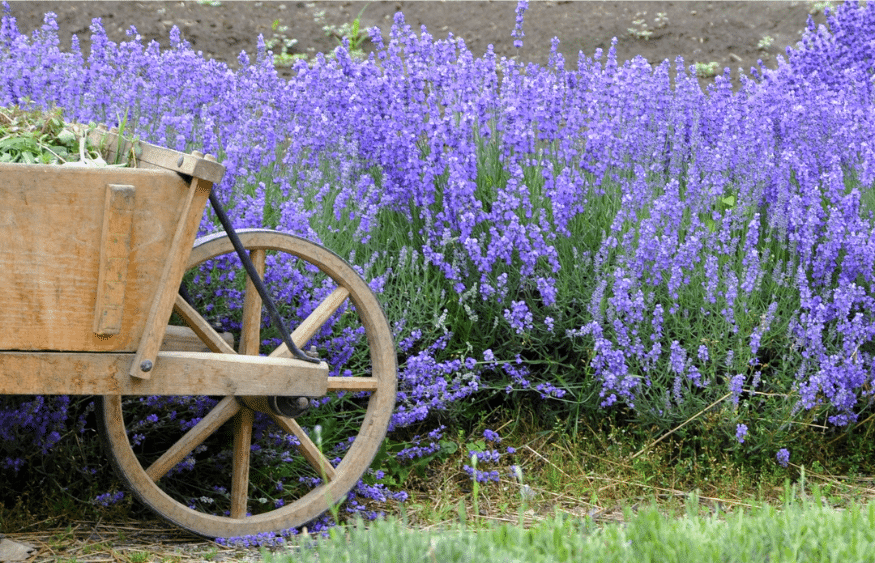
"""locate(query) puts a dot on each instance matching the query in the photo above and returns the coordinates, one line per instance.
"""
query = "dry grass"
(601, 473)
(125, 542)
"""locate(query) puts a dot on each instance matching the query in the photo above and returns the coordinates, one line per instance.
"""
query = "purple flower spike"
(783, 457)
(517, 32)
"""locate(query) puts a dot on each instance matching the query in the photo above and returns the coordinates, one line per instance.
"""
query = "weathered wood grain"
(51, 223)
(175, 373)
(115, 247)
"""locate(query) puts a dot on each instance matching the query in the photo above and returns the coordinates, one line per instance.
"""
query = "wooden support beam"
(168, 284)
(175, 373)
(115, 248)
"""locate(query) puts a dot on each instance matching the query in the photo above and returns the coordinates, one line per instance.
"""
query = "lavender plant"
(596, 235)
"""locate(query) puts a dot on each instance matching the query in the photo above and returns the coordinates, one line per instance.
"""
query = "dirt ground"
(732, 34)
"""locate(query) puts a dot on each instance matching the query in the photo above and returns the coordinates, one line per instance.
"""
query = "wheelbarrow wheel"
(252, 468)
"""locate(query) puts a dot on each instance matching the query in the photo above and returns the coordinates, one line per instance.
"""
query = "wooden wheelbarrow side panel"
(51, 227)
(175, 373)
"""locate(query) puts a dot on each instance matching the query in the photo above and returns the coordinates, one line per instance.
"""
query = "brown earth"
(732, 34)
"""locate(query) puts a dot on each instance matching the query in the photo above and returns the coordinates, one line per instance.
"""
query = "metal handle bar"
(275, 318)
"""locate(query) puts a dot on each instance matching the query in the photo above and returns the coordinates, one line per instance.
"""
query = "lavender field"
(587, 236)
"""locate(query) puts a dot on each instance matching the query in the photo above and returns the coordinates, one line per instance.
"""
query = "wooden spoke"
(307, 448)
(353, 384)
(250, 337)
(242, 452)
(201, 327)
(220, 414)
(314, 321)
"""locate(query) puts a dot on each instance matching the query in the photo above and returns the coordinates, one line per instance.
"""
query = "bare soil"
(735, 35)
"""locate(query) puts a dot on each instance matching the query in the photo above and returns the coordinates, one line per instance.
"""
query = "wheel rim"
(147, 474)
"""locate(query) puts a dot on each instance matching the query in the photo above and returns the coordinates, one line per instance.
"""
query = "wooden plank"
(308, 449)
(175, 373)
(115, 247)
(148, 156)
(221, 413)
(171, 276)
(202, 328)
(308, 327)
(51, 218)
(250, 335)
(353, 384)
(184, 339)
(240, 468)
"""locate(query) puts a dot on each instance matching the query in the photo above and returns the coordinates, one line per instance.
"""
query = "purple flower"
(481, 476)
(492, 436)
(108, 499)
(783, 457)
(736, 385)
(675, 228)
(517, 32)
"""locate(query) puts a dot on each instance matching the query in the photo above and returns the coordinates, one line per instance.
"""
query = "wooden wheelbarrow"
(92, 267)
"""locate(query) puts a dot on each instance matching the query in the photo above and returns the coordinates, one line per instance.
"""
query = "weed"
(765, 42)
(350, 31)
(95, 547)
(281, 41)
(139, 557)
(707, 70)
(819, 6)
(641, 30)
(281, 44)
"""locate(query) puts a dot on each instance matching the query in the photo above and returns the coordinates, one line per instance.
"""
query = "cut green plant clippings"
(43, 137)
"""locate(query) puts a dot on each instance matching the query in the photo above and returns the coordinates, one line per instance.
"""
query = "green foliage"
(707, 70)
(351, 32)
(39, 136)
(281, 45)
(803, 529)
(397, 471)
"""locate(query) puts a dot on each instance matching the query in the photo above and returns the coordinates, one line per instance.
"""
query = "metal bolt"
(146, 365)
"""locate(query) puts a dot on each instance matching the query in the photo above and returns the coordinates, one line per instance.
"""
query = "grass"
(588, 497)
(594, 474)
(679, 500)
(804, 528)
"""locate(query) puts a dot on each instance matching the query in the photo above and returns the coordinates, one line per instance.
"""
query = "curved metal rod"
(275, 318)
